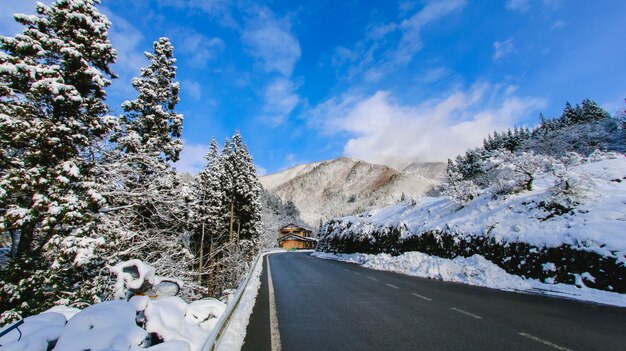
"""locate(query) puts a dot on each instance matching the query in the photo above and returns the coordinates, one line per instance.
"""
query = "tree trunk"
(24, 246)
(15, 240)
(238, 231)
(232, 217)
(201, 256)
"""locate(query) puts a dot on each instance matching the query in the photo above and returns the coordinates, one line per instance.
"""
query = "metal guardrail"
(217, 333)
(15, 326)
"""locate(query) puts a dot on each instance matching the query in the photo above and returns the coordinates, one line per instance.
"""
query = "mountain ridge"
(344, 186)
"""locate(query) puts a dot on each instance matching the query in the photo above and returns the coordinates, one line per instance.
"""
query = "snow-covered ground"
(120, 324)
(129, 325)
(597, 224)
(475, 270)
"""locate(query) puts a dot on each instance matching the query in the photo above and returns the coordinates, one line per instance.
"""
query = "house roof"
(293, 225)
(296, 237)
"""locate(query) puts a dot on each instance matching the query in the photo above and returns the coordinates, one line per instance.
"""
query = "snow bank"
(475, 270)
(122, 325)
(236, 332)
(597, 224)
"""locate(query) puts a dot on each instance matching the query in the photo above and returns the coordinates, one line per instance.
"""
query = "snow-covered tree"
(209, 216)
(511, 172)
(152, 126)
(244, 192)
(456, 187)
(52, 114)
(147, 214)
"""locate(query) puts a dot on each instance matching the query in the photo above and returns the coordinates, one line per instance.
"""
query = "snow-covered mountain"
(343, 186)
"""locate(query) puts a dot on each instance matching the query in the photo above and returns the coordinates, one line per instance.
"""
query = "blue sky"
(384, 81)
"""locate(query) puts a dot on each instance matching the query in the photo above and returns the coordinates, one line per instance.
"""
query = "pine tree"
(152, 125)
(52, 108)
(246, 189)
(571, 115)
(592, 112)
(209, 215)
(148, 215)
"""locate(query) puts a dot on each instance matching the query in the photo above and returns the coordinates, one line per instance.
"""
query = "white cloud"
(8, 26)
(260, 171)
(271, 42)
(411, 41)
(192, 158)
(277, 50)
(385, 131)
(191, 88)
(502, 48)
(280, 99)
(435, 74)
(378, 54)
(127, 41)
(518, 5)
(199, 47)
(220, 10)
(559, 24)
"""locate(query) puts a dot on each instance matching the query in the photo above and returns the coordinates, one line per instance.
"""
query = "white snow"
(597, 224)
(475, 270)
(109, 324)
(236, 331)
(116, 325)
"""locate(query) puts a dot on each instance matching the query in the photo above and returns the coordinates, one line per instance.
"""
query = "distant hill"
(344, 186)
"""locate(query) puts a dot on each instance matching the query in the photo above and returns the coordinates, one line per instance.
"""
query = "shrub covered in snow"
(571, 223)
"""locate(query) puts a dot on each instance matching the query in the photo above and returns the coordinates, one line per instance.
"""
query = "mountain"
(344, 186)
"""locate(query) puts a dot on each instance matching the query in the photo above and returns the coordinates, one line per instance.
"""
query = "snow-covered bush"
(509, 172)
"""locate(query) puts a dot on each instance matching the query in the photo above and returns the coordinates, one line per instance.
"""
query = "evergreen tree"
(246, 189)
(152, 125)
(571, 115)
(148, 215)
(52, 108)
(592, 112)
(209, 213)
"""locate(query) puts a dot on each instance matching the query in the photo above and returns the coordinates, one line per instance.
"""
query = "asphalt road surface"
(331, 305)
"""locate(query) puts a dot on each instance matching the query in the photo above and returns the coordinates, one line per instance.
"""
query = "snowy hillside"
(344, 186)
(523, 225)
(271, 181)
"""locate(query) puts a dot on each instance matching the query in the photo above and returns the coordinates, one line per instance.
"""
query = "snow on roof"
(296, 237)
(293, 225)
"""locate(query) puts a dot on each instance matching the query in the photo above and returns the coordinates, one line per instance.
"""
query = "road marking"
(347, 270)
(421, 297)
(393, 286)
(374, 279)
(545, 342)
(466, 313)
(275, 334)
(357, 273)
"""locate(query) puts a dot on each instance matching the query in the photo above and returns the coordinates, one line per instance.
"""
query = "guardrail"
(217, 333)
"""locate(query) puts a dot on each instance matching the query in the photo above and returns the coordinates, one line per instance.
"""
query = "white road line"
(275, 334)
(347, 270)
(357, 273)
(466, 313)
(421, 297)
(374, 279)
(545, 342)
(393, 286)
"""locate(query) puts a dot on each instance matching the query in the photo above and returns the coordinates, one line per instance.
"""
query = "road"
(331, 305)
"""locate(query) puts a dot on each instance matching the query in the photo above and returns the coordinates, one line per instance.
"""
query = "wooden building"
(293, 236)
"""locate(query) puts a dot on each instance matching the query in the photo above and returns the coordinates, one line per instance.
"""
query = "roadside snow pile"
(570, 228)
(163, 323)
(235, 333)
(474, 270)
